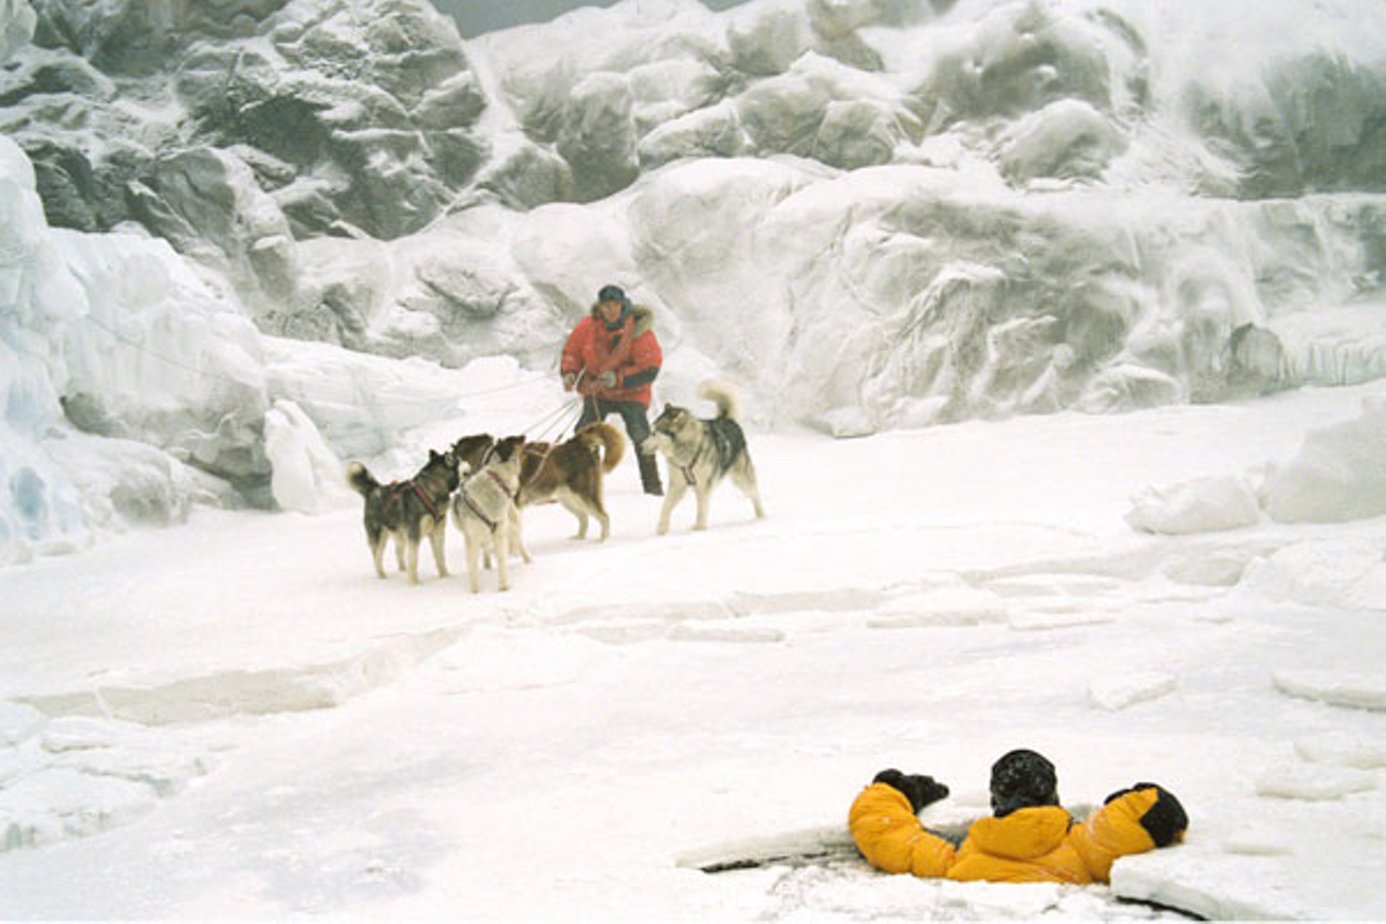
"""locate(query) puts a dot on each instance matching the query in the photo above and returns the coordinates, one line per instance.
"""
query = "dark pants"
(637, 425)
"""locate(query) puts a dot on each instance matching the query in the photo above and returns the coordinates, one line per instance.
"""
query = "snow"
(306, 474)
(1344, 570)
(1202, 505)
(1117, 692)
(1313, 783)
(1339, 473)
(259, 727)
(1363, 691)
(1343, 750)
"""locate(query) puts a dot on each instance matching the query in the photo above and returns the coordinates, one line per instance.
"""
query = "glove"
(607, 380)
(921, 790)
(569, 380)
(1165, 821)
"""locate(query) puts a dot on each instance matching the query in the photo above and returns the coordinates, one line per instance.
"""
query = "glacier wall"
(227, 224)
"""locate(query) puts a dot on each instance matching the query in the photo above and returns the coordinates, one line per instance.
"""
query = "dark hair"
(610, 293)
(1022, 779)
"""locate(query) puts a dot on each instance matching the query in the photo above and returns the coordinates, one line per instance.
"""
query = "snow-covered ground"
(237, 718)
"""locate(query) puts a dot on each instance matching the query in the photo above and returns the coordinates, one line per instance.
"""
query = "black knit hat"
(610, 293)
(1022, 779)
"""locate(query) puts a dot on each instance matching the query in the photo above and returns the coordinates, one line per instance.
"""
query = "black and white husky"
(485, 513)
(407, 511)
(700, 453)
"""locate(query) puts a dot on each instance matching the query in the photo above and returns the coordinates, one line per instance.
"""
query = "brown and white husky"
(571, 473)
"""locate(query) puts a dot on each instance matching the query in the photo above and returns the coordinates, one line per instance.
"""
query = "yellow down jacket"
(1041, 844)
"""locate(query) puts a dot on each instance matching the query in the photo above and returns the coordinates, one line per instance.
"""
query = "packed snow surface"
(237, 718)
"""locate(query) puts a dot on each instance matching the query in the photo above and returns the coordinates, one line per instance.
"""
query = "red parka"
(631, 351)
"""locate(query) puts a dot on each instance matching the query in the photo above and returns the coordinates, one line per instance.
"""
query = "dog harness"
(395, 487)
(481, 515)
(426, 502)
(688, 469)
(727, 448)
(478, 512)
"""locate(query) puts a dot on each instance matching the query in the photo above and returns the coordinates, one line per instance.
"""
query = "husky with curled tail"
(571, 473)
(701, 452)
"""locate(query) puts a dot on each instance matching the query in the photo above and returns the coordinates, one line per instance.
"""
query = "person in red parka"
(612, 358)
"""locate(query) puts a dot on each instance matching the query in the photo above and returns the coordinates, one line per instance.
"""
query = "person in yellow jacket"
(1029, 837)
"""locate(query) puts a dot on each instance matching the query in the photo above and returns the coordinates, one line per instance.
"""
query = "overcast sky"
(477, 16)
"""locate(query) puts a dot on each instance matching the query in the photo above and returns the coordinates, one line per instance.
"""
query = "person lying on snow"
(1030, 838)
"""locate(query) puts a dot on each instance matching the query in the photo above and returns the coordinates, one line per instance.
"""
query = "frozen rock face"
(130, 390)
(891, 290)
(234, 128)
(16, 26)
(998, 207)
(113, 336)
(1315, 124)
(365, 109)
(155, 358)
(206, 203)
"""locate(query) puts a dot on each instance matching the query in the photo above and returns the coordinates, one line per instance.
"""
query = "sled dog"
(407, 511)
(485, 513)
(471, 452)
(700, 453)
(571, 473)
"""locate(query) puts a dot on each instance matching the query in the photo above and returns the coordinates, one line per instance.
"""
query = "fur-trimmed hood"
(642, 317)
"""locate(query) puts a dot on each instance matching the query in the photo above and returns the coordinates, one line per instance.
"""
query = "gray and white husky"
(407, 511)
(701, 452)
(485, 513)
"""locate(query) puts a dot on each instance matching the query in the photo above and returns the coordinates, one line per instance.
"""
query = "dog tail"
(360, 478)
(613, 444)
(722, 395)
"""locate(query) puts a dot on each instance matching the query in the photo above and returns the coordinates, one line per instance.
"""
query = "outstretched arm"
(888, 832)
(1134, 820)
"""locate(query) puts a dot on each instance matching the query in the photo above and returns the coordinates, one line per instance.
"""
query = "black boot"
(649, 474)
